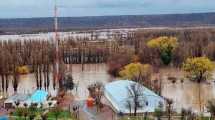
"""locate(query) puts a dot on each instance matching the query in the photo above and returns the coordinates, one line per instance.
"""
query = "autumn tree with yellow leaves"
(137, 72)
(198, 68)
(165, 45)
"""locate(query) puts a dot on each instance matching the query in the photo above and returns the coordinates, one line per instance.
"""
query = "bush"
(23, 70)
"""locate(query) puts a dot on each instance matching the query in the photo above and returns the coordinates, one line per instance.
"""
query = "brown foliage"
(116, 62)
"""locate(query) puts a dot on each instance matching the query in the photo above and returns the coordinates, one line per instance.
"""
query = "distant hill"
(29, 25)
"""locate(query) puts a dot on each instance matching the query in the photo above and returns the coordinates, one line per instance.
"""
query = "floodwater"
(91, 73)
(189, 95)
(185, 95)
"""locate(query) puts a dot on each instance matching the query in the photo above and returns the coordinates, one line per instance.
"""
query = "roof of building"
(117, 93)
(4, 118)
(39, 96)
(16, 97)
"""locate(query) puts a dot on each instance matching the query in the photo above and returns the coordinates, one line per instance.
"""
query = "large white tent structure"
(117, 93)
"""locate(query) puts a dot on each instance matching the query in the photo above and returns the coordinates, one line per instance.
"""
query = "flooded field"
(185, 95)
(90, 74)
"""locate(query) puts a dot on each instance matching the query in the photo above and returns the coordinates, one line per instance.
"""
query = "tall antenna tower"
(56, 43)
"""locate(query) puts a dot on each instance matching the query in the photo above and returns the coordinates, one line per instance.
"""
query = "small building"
(118, 94)
(10, 102)
(39, 96)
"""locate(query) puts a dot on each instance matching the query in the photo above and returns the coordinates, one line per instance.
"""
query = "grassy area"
(37, 113)
(162, 118)
(62, 114)
(135, 118)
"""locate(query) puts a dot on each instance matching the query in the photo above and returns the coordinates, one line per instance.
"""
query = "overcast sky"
(70, 8)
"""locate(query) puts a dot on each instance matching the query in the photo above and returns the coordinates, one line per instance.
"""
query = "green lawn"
(134, 118)
(63, 114)
(51, 115)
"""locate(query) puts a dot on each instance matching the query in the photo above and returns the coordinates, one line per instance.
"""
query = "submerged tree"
(67, 82)
(165, 46)
(137, 72)
(187, 114)
(198, 69)
(169, 108)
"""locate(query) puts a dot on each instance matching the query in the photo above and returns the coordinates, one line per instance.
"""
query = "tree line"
(38, 55)
(191, 43)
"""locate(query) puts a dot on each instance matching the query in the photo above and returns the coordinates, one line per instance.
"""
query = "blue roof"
(4, 118)
(39, 96)
(117, 93)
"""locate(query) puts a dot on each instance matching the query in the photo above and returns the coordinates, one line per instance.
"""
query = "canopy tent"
(117, 93)
(16, 98)
(10, 102)
(39, 96)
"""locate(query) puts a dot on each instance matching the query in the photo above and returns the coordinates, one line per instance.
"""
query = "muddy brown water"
(185, 95)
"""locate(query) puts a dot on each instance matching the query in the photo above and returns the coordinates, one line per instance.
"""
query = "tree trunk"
(200, 101)
(40, 77)
(135, 110)
(48, 80)
(37, 76)
(169, 112)
(6, 77)
(3, 82)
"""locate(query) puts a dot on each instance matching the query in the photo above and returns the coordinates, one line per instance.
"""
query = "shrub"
(23, 70)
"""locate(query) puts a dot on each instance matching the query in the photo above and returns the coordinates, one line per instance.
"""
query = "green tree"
(19, 112)
(165, 46)
(198, 69)
(211, 108)
(159, 111)
(56, 112)
(32, 111)
(25, 113)
(67, 82)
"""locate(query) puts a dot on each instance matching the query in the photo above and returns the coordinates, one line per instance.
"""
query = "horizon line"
(151, 14)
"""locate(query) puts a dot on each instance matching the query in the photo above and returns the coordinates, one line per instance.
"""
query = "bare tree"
(169, 107)
(136, 98)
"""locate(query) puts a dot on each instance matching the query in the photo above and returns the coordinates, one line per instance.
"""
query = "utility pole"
(56, 43)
